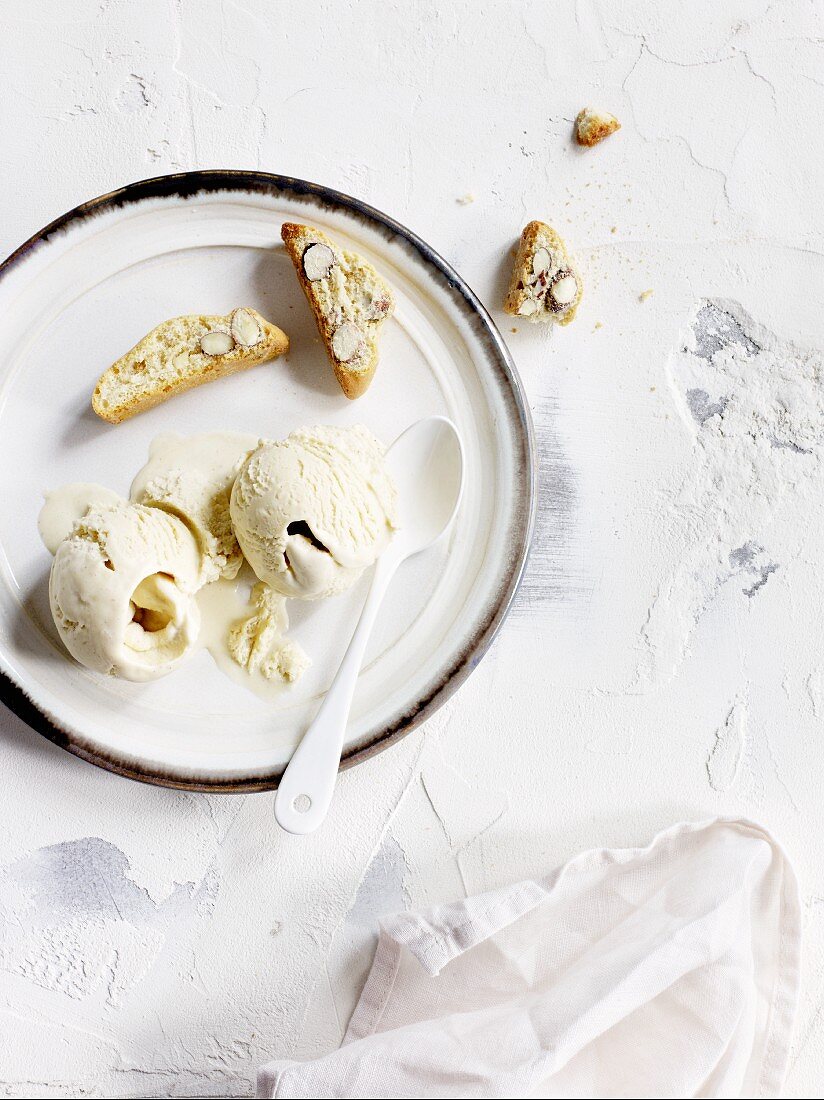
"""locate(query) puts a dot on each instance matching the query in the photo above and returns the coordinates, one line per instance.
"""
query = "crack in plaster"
(463, 811)
(812, 686)
(134, 95)
(724, 759)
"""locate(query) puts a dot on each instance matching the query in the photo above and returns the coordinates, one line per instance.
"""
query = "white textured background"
(664, 660)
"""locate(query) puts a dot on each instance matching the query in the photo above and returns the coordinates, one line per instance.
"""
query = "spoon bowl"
(426, 463)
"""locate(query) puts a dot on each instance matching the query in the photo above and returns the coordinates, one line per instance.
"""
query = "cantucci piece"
(545, 285)
(182, 353)
(349, 299)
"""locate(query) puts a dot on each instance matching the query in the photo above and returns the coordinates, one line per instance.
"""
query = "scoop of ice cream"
(121, 590)
(313, 511)
(192, 478)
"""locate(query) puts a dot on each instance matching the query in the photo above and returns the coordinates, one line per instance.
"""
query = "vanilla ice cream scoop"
(191, 478)
(313, 511)
(121, 590)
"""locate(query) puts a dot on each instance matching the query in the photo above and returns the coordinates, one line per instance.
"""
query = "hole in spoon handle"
(307, 785)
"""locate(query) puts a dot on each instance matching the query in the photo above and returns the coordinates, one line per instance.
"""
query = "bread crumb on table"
(644, 295)
(465, 200)
(591, 126)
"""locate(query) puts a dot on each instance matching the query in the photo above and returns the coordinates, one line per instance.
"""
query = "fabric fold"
(669, 970)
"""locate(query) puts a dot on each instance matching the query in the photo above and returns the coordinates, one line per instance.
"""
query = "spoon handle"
(306, 787)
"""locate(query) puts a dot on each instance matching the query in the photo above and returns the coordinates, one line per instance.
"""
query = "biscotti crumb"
(593, 126)
(545, 284)
(642, 297)
(465, 200)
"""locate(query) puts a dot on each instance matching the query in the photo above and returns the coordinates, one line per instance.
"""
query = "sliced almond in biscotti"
(545, 285)
(182, 353)
(349, 299)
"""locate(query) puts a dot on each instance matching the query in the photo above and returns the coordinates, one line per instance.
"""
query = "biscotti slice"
(591, 126)
(350, 301)
(182, 353)
(545, 284)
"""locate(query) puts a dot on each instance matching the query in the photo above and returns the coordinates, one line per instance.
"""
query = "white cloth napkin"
(666, 971)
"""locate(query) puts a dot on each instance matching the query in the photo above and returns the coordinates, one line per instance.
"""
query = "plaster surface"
(664, 657)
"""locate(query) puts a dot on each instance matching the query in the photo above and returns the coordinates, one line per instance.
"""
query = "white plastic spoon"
(426, 463)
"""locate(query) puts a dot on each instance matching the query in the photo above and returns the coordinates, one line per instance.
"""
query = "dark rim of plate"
(187, 185)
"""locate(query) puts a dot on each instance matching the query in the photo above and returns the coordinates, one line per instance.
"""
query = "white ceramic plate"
(87, 287)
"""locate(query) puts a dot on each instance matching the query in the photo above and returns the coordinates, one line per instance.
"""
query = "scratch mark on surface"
(730, 741)
(134, 96)
(550, 575)
(464, 811)
(812, 685)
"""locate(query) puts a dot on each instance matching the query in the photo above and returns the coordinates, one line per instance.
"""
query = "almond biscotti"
(545, 285)
(349, 299)
(182, 353)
